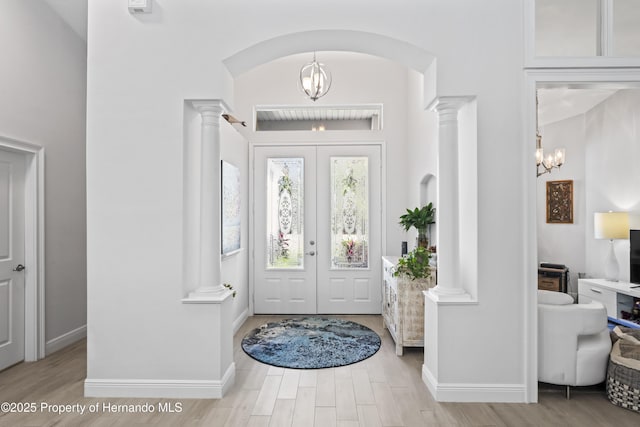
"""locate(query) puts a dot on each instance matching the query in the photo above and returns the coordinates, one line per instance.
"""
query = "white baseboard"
(170, 389)
(455, 392)
(64, 340)
(237, 324)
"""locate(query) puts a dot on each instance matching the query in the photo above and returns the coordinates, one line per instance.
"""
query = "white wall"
(357, 79)
(141, 68)
(422, 135)
(235, 268)
(602, 156)
(565, 243)
(612, 173)
(42, 101)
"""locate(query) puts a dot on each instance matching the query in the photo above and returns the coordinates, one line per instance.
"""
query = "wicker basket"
(623, 380)
(623, 386)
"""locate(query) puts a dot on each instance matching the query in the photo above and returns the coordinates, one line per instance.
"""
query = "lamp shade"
(611, 225)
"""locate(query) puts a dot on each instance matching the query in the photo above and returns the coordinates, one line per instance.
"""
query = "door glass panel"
(285, 213)
(349, 212)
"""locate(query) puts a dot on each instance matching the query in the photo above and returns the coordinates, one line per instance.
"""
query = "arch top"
(329, 40)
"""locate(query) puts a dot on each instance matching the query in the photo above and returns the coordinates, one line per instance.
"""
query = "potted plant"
(415, 265)
(421, 219)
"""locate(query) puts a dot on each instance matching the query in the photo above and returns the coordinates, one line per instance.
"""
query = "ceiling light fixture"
(551, 161)
(315, 79)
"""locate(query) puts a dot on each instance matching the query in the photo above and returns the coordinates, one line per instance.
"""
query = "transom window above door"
(318, 118)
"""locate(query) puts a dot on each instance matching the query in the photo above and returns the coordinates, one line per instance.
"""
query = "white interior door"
(12, 175)
(317, 229)
(284, 230)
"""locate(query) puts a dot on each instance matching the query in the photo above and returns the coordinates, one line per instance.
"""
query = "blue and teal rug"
(311, 343)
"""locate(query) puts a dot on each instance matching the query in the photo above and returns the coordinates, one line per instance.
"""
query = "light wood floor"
(384, 390)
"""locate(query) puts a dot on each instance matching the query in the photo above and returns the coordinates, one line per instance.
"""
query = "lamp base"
(611, 269)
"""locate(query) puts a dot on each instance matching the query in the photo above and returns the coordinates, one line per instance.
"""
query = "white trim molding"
(536, 78)
(34, 327)
(66, 339)
(170, 389)
(457, 392)
(237, 324)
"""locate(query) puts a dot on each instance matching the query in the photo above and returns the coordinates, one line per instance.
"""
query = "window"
(325, 118)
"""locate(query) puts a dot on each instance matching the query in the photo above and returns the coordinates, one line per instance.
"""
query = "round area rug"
(311, 343)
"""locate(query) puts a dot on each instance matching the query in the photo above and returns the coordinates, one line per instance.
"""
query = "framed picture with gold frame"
(560, 202)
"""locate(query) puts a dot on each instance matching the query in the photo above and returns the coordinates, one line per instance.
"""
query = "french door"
(317, 229)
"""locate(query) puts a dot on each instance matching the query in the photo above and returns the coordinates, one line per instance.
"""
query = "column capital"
(443, 104)
(210, 106)
(447, 107)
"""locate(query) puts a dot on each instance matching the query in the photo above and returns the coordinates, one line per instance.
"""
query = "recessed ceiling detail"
(352, 117)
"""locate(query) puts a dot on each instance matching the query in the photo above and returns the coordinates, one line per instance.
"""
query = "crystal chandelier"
(549, 161)
(315, 79)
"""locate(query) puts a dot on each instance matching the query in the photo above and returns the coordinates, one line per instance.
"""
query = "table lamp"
(613, 226)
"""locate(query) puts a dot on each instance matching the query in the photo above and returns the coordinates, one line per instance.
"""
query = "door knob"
(20, 267)
(312, 243)
(312, 253)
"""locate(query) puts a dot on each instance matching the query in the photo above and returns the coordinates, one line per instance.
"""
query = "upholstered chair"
(573, 341)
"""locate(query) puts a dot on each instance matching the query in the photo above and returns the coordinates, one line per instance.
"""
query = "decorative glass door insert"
(349, 212)
(285, 213)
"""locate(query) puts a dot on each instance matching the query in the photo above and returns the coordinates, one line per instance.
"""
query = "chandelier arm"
(317, 72)
(540, 150)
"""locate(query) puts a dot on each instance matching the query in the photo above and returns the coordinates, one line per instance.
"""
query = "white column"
(209, 281)
(448, 210)
(202, 241)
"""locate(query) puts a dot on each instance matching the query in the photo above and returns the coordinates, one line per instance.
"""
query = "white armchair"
(573, 341)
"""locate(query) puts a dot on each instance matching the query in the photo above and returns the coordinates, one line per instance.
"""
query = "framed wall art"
(560, 202)
(231, 220)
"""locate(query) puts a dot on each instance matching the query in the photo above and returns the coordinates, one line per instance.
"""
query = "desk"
(615, 296)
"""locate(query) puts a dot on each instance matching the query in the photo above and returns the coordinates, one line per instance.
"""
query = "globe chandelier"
(315, 79)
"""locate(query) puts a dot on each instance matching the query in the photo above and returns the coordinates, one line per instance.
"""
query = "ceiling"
(556, 104)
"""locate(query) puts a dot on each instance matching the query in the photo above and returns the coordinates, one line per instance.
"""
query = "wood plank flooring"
(384, 390)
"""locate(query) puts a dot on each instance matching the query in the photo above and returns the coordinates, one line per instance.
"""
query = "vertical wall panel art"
(230, 208)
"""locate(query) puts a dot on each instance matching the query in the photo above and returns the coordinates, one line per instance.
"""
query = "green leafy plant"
(415, 264)
(420, 218)
(228, 286)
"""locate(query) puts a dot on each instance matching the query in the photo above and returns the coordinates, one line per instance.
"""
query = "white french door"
(317, 229)
(284, 227)
(12, 176)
